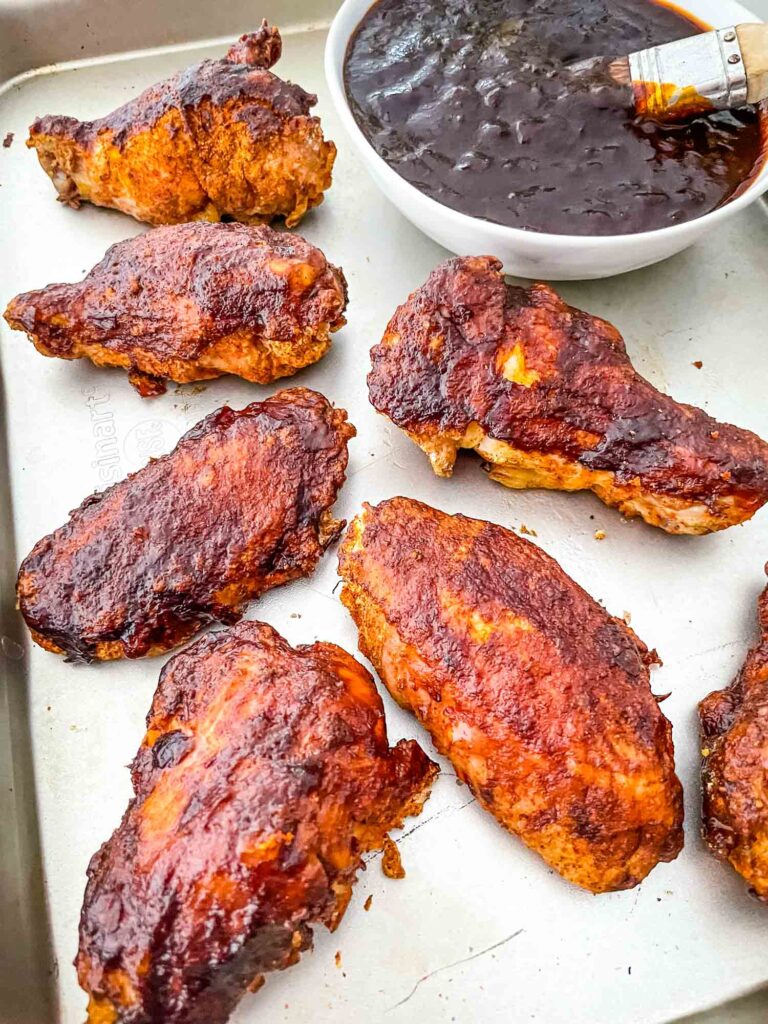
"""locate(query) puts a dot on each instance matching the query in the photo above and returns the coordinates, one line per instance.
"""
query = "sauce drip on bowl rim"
(472, 102)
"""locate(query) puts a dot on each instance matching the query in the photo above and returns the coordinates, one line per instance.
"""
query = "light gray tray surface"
(480, 929)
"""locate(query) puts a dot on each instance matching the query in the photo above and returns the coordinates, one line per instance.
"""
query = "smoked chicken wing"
(546, 394)
(537, 695)
(734, 729)
(191, 302)
(264, 776)
(241, 504)
(223, 137)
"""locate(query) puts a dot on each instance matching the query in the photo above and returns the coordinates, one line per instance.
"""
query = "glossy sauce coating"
(264, 776)
(241, 505)
(548, 396)
(539, 697)
(734, 740)
(221, 138)
(190, 302)
(469, 100)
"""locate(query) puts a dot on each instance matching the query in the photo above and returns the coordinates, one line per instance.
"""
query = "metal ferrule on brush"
(689, 76)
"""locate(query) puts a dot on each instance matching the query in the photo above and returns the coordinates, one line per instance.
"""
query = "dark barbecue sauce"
(471, 102)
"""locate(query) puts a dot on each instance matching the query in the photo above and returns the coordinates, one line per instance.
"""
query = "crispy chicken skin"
(222, 137)
(546, 394)
(264, 776)
(191, 302)
(537, 695)
(241, 504)
(734, 731)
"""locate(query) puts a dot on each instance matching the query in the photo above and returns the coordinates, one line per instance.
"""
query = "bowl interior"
(717, 13)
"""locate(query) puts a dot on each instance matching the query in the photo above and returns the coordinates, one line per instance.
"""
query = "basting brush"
(720, 70)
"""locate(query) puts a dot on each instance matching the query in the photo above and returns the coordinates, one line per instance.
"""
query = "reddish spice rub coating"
(241, 505)
(539, 697)
(221, 137)
(548, 396)
(734, 739)
(191, 302)
(264, 776)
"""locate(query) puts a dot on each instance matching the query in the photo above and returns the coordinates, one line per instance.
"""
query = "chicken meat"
(191, 302)
(538, 696)
(734, 730)
(221, 138)
(547, 395)
(241, 504)
(264, 776)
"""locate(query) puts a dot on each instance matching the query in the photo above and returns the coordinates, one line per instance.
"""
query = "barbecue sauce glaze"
(471, 101)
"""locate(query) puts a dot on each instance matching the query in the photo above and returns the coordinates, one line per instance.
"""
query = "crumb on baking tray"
(391, 864)
(8, 140)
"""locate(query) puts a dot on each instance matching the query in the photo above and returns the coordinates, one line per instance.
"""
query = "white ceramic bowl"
(529, 253)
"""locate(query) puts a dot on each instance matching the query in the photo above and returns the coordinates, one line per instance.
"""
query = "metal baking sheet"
(480, 930)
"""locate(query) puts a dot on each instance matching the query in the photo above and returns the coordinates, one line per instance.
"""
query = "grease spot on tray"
(11, 649)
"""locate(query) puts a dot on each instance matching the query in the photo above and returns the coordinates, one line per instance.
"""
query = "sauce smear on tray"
(472, 102)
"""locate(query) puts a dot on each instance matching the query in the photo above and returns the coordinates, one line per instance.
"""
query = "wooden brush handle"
(753, 40)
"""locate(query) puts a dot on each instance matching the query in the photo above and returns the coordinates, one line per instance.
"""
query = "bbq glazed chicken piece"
(537, 695)
(264, 776)
(241, 505)
(547, 396)
(734, 730)
(192, 302)
(222, 137)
